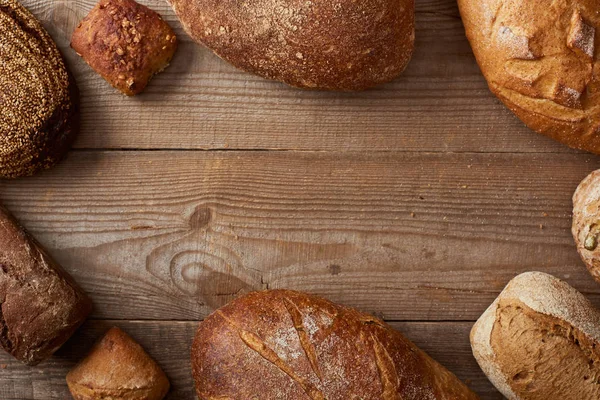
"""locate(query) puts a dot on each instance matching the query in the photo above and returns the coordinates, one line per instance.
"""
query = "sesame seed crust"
(38, 96)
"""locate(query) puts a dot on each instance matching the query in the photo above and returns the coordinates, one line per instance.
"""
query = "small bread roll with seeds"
(39, 100)
(126, 43)
(117, 368)
(586, 222)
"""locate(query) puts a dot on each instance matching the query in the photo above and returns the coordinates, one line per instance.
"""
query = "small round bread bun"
(586, 222)
(38, 96)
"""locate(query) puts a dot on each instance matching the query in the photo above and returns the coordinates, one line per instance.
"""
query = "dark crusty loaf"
(38, 96)
(540, 340)
(125, 42)
(586, 222)
(40, 305)
(541, 59)
(282, 344)
(117, 368)
(330, 45)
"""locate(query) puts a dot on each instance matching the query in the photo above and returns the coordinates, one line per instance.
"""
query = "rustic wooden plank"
(169, 343)
(408, 236)
(441, 103)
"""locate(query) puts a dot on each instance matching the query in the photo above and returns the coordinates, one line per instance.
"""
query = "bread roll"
(539, 340)
(125, 42)
(541, 59)
(329, 45)
(586, 222)
(40, 305)
(282, 345)
(117, 368)
(38, 97)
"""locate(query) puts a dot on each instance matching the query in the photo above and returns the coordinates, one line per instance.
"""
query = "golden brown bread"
(40, 305)
(541, 60)
(282, 344)
(331, 45)
(39, 101)
(540, 340)
(117, 368)
(586, 222)
(125, 42)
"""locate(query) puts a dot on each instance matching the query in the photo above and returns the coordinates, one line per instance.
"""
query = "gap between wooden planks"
(169, 343)
(440, 103)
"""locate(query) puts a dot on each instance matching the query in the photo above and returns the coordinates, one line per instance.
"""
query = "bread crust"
(40, 304)
(117, 368)
(282, 344)
(328, 45)
(39, 100)
(126, 43)
(541, 61)
(586, 222)
(555, 303)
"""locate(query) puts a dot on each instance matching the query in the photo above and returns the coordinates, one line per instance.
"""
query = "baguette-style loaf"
(282, 344)
(540, 340)
(329, 45)
(40, 305)
(541, 59)
(586, 222)
(39, 100)
(117, 368)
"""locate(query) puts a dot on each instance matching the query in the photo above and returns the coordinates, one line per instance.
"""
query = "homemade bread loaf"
(125, 42)
(586, 222)
(40, 305)
(117, 368)
(330, 45)
(541, 59)
(38, 96)
(540, 340)
(282, 345)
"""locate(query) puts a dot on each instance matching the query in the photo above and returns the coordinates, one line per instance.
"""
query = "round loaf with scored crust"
(330, 45)
(287, 345)
(38, 96)
(541, 59)
(539, 340)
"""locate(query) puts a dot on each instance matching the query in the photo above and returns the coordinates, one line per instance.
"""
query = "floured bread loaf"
(541, 59)
(288, 345)
(586, 222)
(330, 45)
(540, 340)
(38, 96)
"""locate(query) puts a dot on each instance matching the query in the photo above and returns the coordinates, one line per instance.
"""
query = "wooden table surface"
(416, 201)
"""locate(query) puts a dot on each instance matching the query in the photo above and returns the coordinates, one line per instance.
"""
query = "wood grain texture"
(407, 236)
(440, 103)
(447, 342)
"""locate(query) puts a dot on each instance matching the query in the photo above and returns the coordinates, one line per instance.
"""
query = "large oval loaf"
(40, 304)
(38, 96)
(282, 345)
(540, 340)
(330, 45)
(541, 59)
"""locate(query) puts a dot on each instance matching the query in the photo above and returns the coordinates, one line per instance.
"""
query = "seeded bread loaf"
(117, 368)
(541, 60)
(586, 222)
(540, 340)
(328, 45)
(39, 101)
(40, 305)
(288, 345)
(126, 43)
